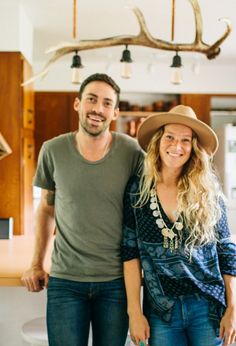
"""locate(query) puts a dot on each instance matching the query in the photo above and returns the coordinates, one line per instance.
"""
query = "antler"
(144, 38)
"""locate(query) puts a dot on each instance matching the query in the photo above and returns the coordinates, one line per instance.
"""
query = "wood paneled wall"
(54, 115)
(17, 169)
(200, 103)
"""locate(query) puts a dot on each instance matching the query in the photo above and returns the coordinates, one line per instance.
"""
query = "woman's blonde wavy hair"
(198, 195)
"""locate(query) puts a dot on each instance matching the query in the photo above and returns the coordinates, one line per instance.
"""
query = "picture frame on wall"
(5, 149)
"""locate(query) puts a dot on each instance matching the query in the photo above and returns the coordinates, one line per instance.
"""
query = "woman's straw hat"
(178, 115)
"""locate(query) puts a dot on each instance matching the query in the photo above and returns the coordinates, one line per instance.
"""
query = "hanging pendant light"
(143, 39)
(126, 60)
(76, 60)
(176, 73)
(76, 66)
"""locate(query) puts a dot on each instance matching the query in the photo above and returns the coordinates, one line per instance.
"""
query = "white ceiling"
(52, 21)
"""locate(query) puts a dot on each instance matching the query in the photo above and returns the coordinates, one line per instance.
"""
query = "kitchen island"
(15, 257)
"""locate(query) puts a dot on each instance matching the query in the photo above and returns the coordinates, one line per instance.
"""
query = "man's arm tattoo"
(50, 197)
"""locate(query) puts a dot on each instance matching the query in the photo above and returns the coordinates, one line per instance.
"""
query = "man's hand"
(35, 279)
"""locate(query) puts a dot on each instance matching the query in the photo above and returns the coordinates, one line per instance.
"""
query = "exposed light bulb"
(126, 62)
(126, 70)
(76, 76)
(76, 66)
(176, 75)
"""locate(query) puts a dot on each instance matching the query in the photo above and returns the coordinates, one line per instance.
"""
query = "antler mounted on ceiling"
(144, 38)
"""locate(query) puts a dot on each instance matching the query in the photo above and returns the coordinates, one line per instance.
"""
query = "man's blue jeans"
(190, 325)
(73, 305)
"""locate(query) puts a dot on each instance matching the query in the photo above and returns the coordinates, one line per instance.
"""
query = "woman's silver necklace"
(171, 239)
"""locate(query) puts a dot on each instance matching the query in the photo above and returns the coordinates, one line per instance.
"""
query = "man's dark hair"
(101, 77)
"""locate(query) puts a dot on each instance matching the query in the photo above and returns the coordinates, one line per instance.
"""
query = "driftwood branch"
(144, 38)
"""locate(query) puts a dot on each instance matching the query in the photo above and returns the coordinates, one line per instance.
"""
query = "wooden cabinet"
(54, 115)
(201, 103)
(28, 98)
(17, 126)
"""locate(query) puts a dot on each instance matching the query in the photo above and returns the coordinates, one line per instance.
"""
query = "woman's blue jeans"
(73, 305)
(189, 326)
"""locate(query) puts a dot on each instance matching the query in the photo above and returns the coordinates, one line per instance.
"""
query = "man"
(83, 176)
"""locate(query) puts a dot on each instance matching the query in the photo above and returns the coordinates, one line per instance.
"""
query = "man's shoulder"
(126, 140)
(57, 141)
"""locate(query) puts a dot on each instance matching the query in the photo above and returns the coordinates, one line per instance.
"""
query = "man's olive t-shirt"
(88, 205)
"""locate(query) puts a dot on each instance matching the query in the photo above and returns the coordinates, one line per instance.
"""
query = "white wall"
(213, 77)
(25, 35)
(9, 20)
(16, 32)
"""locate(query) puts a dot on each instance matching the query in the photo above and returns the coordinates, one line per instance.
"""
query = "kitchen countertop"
(15, 257)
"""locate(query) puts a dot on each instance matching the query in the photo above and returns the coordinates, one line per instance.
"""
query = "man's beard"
(91, 133)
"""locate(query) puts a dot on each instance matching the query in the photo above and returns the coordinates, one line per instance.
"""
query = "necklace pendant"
(160, 223)
(179, 226)
(166, 232)
(165, 243)
(170, 238)
(176, 243)
(171, 245)
(153, 206)
(153, 193)
(155, 213)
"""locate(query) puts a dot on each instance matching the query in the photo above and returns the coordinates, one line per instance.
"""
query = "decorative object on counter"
(158, 106)
(170, 104)
(133, 125)
(135, 108)
(6, 228)
(132, 128)
(124, 106)
(147, 108)
(144, 39)
(5, 149)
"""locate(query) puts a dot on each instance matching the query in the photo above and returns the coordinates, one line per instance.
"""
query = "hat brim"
(206, 136)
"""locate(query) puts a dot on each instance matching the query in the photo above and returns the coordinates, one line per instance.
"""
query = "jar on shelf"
(124, 106)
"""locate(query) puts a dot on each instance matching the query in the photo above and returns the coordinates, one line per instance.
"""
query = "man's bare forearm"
(44, 227)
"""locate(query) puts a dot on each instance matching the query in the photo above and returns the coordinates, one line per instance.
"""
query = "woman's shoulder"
(133, 184)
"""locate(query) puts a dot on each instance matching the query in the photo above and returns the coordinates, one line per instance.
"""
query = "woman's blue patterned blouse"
(167, 274)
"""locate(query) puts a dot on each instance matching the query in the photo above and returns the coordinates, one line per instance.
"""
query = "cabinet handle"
(30, 116)
(29, 151)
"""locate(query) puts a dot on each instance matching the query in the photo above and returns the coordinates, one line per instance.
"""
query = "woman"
(176, 233)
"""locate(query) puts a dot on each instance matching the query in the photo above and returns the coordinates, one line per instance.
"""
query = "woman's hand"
(139, 329)
(228, 326)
